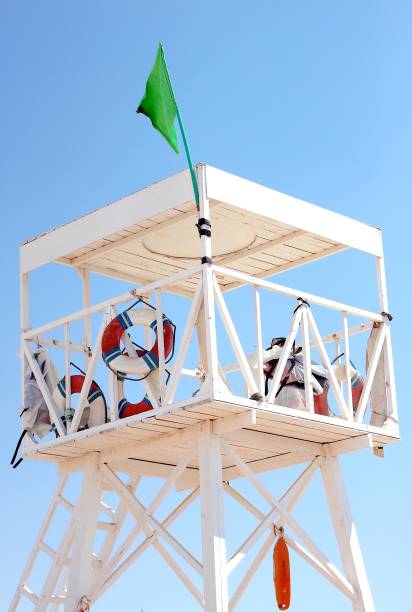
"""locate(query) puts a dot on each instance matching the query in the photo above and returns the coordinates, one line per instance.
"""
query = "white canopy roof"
(150, 234)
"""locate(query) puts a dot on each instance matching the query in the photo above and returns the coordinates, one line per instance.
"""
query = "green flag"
(158, 102)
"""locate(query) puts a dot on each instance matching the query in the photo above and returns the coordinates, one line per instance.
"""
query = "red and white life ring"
(146, 361)
(95, 413)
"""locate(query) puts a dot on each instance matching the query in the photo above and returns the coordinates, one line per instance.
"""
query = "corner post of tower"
(212, 519)
(392, 408)
(346, 535)
(87, 508)
(206, 324)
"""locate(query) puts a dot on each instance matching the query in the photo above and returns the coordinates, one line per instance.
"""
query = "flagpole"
(183, 133)
(189, 158)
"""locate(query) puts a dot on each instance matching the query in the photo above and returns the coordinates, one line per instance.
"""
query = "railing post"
(392, 409)
(24, 326)
(87, 323)
(207, 336)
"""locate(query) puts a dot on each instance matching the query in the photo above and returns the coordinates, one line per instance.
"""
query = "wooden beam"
(263, 246)
(296, 293)
(289, 266)
(118, 244)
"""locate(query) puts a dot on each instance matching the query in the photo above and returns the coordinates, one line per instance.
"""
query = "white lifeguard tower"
(204, 441)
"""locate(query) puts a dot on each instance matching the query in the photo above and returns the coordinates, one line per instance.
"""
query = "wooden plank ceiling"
(167, 243)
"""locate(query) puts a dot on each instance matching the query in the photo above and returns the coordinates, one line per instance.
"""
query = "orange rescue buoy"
(281, 574)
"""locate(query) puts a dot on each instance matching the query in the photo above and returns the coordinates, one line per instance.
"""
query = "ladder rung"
(48, 549)
(65, 503)
(29, 594)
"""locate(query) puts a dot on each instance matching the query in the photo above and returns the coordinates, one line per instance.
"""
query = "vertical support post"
(160, 344)
(387, 348)
(348, 375)
(213, 530)
(346, 535)
(87, 322)
(24, 325)
(113, 382)
(307, 362)
(259, 343)
(209, 337)
(338, 353)
(67, 379)
(87, 508)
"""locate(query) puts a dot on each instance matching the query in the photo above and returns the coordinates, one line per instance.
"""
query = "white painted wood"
(102, 306)
(152, 539)
(363, 402)
(234, 340)
(105, 221)
(334, 449)
(87, 321)
(112, 563)
(54, 417)
(213, 529)
(287, 347)
(160, 343)
(290, 265)
(269, 244)
(348, 376)
(289, 499)
(296, 293)
(88, 379)
(39, 539)
(286, 517)
(341, 583)
(343, 408)
(76, 348)
(346, 533)
(184, 345)
(233, 423)
(118, 519)
(259, 341)
(81, 570)
(134, 279)
(67, 366)
(307, 362)
(266, 202)
(207, 333)
(264, 549)
(389, 364)
(143, 233)
(121, 563)
(56, 568)
(24, 325)
(137, 509)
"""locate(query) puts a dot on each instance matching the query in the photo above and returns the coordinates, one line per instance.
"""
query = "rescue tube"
(281, 574)
(146, 361)
(320, 402)
(95, 413)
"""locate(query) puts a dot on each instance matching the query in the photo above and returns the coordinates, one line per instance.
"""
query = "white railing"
(302, 322)
(303, 319)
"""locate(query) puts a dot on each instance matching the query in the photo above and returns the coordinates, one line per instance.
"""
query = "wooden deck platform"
(267, 437)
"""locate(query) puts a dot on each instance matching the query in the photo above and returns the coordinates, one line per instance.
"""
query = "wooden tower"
(203, 441)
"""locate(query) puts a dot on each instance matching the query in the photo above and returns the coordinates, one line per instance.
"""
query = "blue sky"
(312, 99)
